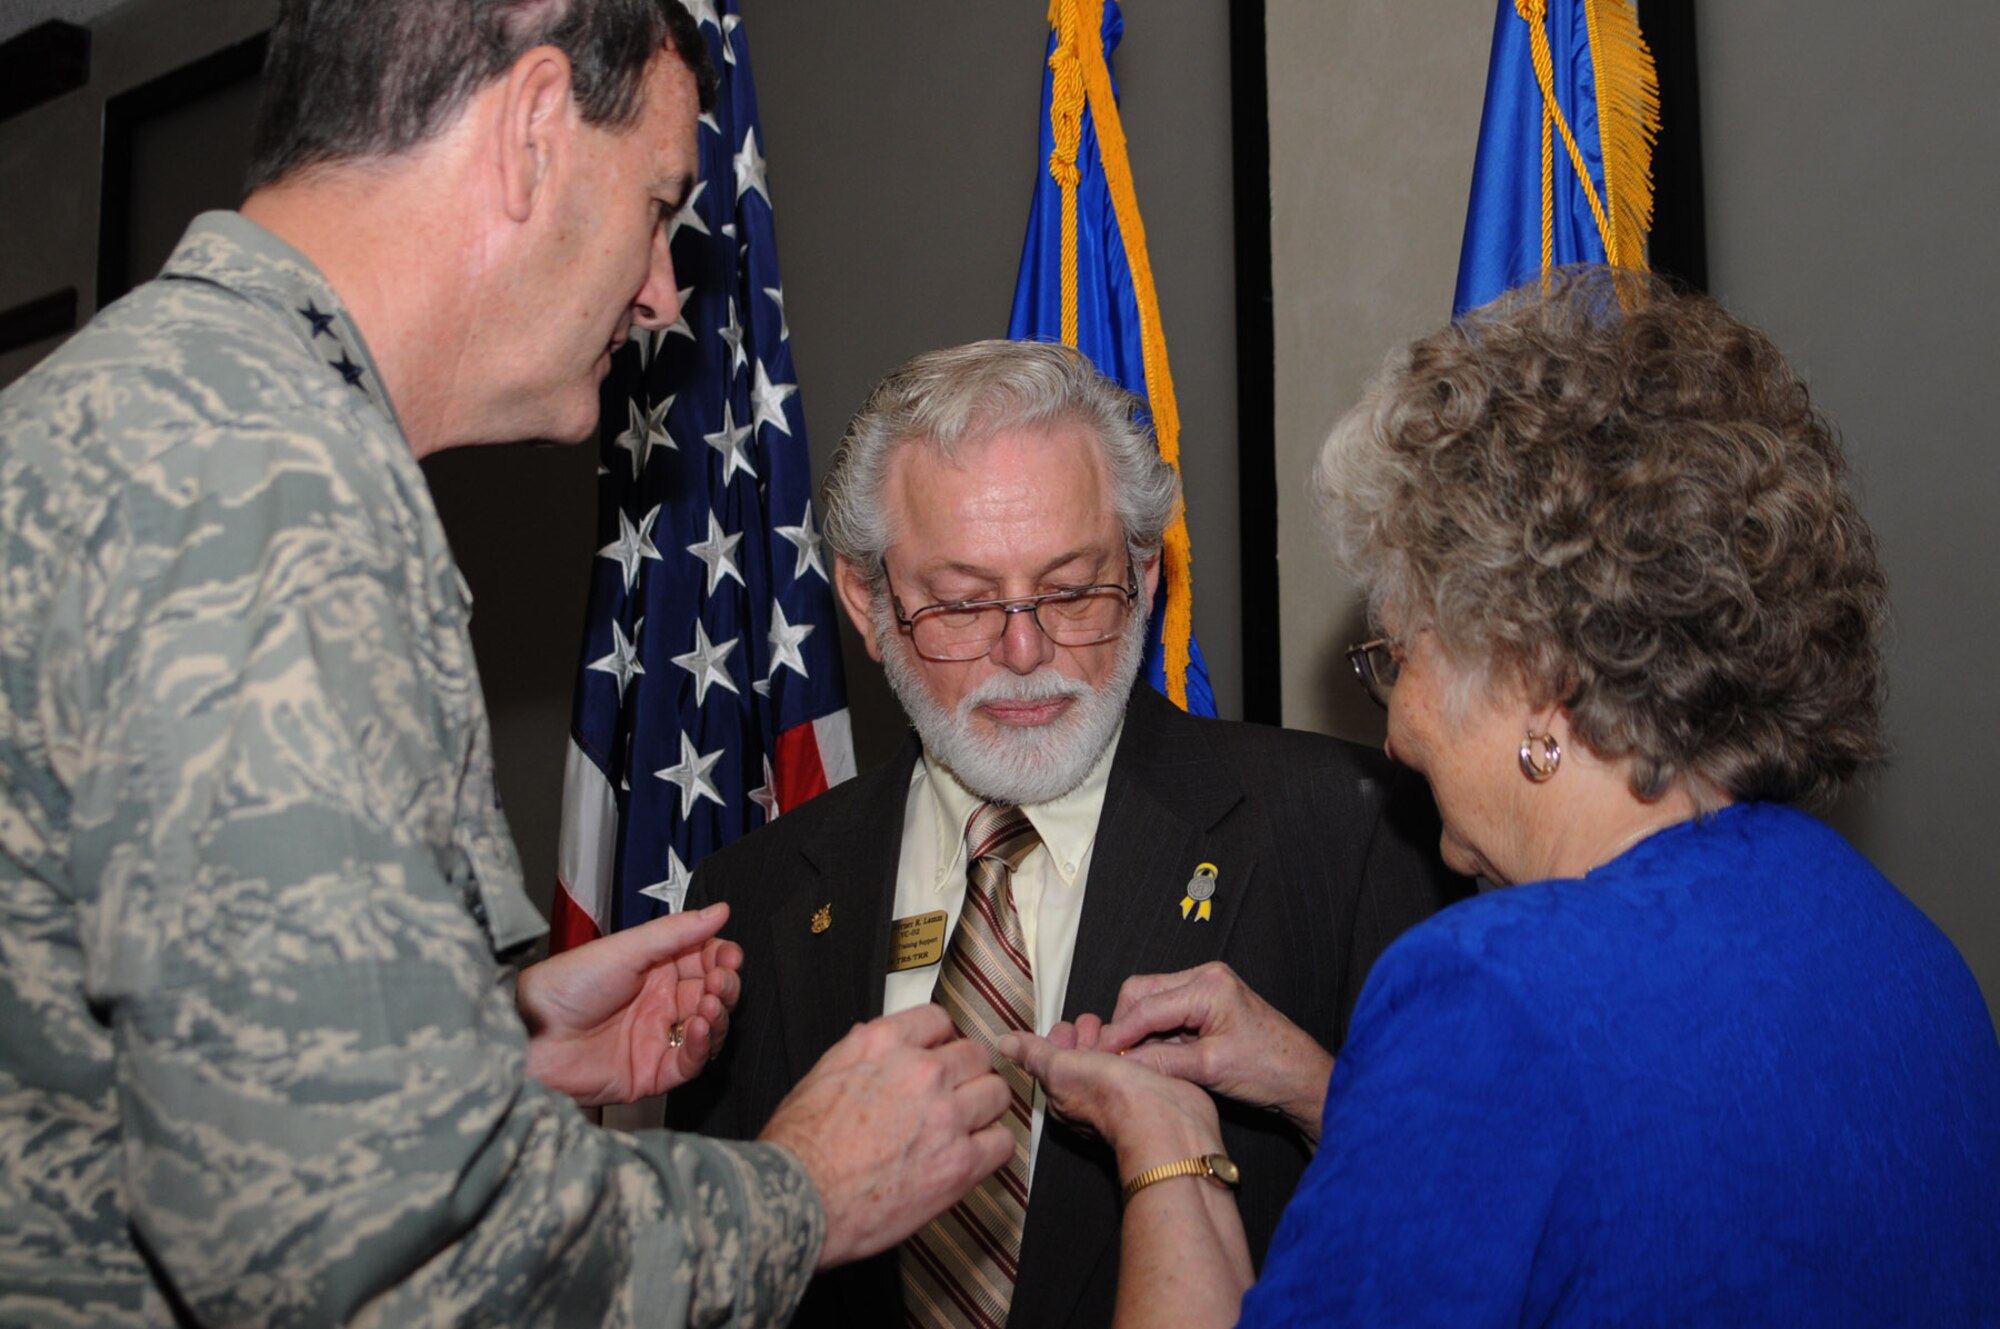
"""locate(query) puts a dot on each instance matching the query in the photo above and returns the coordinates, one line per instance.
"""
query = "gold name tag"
(916, 941)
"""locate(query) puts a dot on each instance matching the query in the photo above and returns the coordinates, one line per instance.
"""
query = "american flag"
(709, 696)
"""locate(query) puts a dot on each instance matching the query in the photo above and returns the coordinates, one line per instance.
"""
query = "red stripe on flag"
(570, 926)
(797, 770)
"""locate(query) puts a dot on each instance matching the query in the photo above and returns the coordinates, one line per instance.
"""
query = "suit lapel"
(1166, 795)
(829, 933)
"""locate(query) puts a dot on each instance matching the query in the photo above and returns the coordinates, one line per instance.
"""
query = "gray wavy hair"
(961, 395)
(1625, 497)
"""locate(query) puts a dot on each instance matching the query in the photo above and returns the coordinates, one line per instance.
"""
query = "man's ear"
(535, 126)
(1149, 581)
(857, 597)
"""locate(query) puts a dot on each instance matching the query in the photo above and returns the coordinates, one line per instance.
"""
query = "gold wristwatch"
(1218, 1169)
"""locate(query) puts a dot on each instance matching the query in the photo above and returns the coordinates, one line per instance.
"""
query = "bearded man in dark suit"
(997, 512)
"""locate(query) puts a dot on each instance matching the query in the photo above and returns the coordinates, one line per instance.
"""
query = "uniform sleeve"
(321, 1082)
(1445, 1148)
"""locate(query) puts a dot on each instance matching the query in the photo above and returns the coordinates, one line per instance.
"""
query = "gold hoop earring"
(1540, 755)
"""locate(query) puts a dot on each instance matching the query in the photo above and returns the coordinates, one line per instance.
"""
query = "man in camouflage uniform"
(260, 1058)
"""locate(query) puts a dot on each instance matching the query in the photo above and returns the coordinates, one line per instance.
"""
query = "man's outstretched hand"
(633, 1014)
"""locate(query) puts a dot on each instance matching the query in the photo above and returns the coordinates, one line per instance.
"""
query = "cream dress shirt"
(1048, 886)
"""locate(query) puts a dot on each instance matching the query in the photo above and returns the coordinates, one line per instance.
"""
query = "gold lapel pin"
(1200, 893)
(822, 918)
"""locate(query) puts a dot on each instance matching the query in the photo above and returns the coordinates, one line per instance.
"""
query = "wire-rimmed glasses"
(1377, 666)
(968, 629)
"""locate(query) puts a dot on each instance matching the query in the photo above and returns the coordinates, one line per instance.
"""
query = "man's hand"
(894, 1124)
(633, 1014)
(1207, 1026)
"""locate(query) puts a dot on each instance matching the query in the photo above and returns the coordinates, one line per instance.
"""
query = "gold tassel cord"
(1066, 100)
(1078, 24)
(1628, 122)
(1628, 119)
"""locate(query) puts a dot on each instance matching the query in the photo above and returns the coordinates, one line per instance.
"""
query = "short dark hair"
(353, 79)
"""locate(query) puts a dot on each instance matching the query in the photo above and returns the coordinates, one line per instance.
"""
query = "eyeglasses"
(1377, 665)
(968, 629)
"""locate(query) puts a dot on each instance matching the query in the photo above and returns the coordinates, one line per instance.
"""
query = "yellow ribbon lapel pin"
(1200, 893)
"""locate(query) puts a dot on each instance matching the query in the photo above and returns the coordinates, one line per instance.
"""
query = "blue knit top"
(1731, 1077)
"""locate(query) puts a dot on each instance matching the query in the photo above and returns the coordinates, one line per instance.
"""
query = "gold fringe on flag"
(1628, 120)
(1078, 62)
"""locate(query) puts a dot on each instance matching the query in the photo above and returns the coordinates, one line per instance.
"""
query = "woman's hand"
(633, 1014)
(1183, 1260)
(1145, 1116)
(1207, 1026)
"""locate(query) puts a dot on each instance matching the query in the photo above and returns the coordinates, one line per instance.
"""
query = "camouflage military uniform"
(259, 1063)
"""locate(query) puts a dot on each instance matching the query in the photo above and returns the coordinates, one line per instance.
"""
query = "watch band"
(1218, 1169)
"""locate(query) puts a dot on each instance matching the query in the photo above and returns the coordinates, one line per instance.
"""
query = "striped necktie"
(959, 1270)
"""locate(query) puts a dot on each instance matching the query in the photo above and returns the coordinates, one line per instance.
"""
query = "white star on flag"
(679, 327)
(672, 892)
(785, 641)
(633, 544)
(623, 662)
(717, 552)
(730, 442)
(730, 23)
(648, 342)
(732, 333)
(689, 216)
(708, 121)
(704, 12)
(690, 775)
(765, 795)
(767, 400)
(706, 662)
(777, 294)
(807, 541)
(750, 169)
(646, 431)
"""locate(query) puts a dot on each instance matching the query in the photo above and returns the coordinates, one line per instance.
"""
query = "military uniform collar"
(229, 250)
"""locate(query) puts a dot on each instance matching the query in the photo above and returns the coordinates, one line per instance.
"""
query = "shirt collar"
(1067, 825)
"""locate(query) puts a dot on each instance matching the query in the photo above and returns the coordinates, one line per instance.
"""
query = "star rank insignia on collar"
(320, 322)
(348, 370)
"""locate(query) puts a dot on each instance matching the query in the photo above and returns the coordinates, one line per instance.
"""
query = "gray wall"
(49, 166)
(1852, 181)
(1852, 185)
(1374, 110)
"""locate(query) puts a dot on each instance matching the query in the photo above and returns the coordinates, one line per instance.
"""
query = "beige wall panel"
(1374, 116)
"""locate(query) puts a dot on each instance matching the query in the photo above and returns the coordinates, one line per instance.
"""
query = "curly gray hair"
(1624, 497)
(961, 395)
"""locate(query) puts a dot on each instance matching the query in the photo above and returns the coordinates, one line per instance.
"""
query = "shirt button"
(1069, 868)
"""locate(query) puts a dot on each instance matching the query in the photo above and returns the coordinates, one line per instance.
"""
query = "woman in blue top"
(1704, 1064)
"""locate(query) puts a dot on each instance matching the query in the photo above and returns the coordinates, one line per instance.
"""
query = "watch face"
(1225, 1169)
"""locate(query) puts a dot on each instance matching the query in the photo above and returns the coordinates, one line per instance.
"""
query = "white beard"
(1015, 764)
